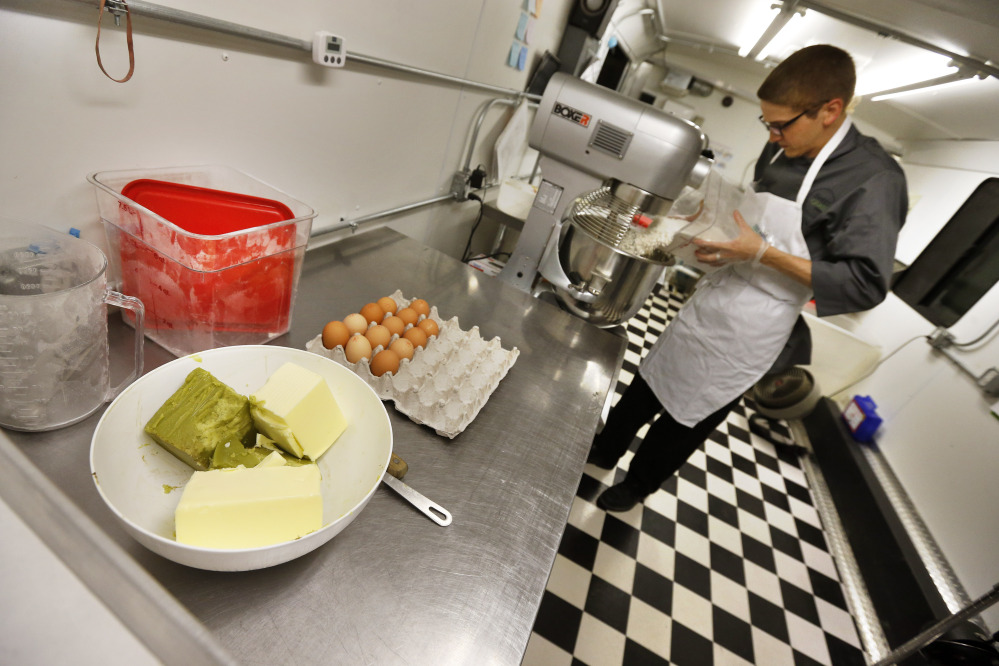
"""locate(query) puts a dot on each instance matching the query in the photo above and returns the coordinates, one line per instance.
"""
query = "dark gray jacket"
(850, 220)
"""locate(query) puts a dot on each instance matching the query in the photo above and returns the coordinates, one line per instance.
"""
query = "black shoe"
(601, 460)
(619, 498)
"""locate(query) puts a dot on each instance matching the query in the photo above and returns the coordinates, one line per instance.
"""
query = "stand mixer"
(607, 161)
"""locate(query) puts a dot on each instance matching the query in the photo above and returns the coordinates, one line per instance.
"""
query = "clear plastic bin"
(205, 290)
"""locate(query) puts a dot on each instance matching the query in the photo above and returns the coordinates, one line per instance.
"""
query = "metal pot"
(599, 283)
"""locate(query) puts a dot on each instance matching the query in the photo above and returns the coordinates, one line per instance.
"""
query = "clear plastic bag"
(707, 212)
(717, 200)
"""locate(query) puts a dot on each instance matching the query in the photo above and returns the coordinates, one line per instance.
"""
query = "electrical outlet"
(989, 381)
(459, 185)
(941, 338)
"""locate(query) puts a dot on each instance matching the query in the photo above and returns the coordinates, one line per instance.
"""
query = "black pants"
(666, 446)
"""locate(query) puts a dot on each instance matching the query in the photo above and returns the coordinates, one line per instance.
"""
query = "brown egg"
(357, 348)
(416, 336)
(408, 315)
(421, 307)
(355, 323)
(429, 327)
(378, 336)
(387, 304)
(373, 313)
(395, 325)
(403, 347)
(335, 334)
(384, 361)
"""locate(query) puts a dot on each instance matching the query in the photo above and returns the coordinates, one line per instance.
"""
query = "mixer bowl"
(621, 281)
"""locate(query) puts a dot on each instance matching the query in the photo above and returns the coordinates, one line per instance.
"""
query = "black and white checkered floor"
(725, 565)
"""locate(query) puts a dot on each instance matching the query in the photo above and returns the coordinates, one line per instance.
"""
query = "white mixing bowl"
(142, 482)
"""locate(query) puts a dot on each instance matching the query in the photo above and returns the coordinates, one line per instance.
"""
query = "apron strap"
(820, 159)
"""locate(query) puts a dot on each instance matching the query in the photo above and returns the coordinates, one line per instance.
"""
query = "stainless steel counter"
(393, 587)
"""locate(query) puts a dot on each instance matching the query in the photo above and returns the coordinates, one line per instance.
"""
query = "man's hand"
(750, 246)
(743, 247)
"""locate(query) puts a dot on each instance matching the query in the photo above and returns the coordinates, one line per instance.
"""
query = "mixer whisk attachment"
(603, 215)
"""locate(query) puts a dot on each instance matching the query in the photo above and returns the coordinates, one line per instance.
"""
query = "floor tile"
(807, 638)
(733, 633)
(693, 575)
(569, 581)
(608, 604)
(542, 651)
(586, 517)
(656, 555)
(771, 650)
(768, 616)
(836, 621)
(693, 544)
(659, 526)
(558, 621)
(579, 547)
(728, 564)
(615, 567)
(599, 643)
(729, 594)
(689, 648)
(692, 610)
(650, 627)
(763, 583)
(654, 589)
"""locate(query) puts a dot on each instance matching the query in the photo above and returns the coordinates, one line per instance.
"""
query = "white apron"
(731, 331)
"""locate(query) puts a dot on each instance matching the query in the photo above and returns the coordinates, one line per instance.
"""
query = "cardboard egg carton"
(446, 382)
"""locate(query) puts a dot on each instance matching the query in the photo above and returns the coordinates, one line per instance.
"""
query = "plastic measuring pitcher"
(54, 368)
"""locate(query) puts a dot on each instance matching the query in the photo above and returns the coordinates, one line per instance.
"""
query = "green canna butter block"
(199, 416)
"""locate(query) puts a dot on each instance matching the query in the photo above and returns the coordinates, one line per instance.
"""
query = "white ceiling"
(703, 37)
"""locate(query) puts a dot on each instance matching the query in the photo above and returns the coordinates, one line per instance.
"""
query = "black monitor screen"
(960, 264)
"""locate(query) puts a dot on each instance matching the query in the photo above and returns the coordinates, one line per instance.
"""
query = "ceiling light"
(753, 27)
(899, 69)
(933, 85)
(758, 50)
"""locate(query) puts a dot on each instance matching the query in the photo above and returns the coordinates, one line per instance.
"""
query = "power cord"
(478, 220)
(965, 345)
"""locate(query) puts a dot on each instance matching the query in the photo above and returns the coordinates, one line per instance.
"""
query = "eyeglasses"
(778, 127)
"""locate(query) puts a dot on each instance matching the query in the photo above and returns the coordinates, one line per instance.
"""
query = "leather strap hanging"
(128, 37)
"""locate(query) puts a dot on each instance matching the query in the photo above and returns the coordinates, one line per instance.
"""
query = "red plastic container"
(212, 253)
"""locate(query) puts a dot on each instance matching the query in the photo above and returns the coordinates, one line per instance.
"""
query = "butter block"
(199, 416)
(296, 409)
(249, 507)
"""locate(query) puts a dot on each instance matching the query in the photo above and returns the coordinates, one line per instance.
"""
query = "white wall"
(348, 142)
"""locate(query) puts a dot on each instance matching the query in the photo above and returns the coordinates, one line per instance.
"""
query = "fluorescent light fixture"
(788, 10)
(788, 28)
(756, 24)
(931, 86)
(914, 66)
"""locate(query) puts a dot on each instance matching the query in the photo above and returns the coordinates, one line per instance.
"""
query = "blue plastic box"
(862, 418)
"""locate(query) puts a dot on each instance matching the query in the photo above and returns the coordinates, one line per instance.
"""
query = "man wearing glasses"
(832, 203)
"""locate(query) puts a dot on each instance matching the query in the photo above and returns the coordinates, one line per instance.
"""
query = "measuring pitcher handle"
(139, 310)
